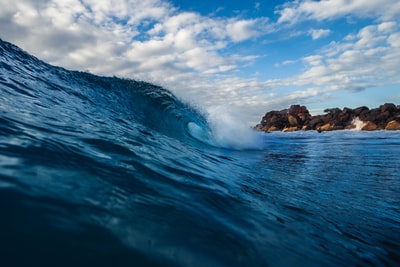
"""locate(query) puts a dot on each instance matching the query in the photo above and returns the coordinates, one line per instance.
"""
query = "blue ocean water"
(103, 171)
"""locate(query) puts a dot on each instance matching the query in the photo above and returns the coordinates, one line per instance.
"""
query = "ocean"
(104, 171)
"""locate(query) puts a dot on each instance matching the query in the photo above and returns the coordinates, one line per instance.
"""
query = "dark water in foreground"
(99, 171)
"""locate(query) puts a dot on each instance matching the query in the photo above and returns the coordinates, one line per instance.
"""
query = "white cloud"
(387, 27)
(286, 63)
(240, 30)
(319, 33)
(394, 39)
(368, 60)
(295, 11)
(97, 35)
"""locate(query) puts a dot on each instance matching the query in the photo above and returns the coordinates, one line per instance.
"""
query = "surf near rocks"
(296, 117)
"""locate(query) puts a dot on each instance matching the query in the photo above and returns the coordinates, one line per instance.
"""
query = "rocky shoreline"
(296, 117)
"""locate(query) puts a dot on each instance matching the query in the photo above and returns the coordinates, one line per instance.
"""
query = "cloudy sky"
(246, 56)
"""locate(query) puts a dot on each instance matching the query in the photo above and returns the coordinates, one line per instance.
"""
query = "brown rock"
(393, 125)
(305, 127)
(344, 118)
(298, 116)
(350, 127)
(290, 129)
(370, 115)
(297, 109)
(275, 119)
(337, 127)
(315, 122)
(388, 107)
(272, 129)
(325, 127)
(369, 126)
(293, 121)
(358, 111)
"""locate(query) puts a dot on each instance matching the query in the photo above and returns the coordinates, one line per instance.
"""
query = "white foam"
(230, 131)
(359, 124)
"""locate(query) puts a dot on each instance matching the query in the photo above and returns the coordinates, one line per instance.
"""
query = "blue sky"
(243, 57)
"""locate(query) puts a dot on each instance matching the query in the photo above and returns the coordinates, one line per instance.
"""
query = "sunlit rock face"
(393, 125)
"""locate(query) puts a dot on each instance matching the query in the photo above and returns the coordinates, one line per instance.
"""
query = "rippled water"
(98, 171)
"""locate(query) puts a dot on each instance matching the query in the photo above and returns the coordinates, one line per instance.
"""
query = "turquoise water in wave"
(98, 171)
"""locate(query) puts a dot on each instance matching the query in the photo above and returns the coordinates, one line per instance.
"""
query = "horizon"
(248, 57)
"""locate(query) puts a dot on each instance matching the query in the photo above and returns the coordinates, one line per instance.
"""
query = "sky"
(239, 57)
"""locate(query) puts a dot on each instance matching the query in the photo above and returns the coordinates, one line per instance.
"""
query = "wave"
(135, 103)
(126, 153)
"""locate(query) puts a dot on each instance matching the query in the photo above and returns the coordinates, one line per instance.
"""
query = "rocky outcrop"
(291, 119)
(296, 117)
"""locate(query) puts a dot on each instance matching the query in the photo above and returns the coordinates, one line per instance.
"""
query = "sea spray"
(359, 124)
(229, 130)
